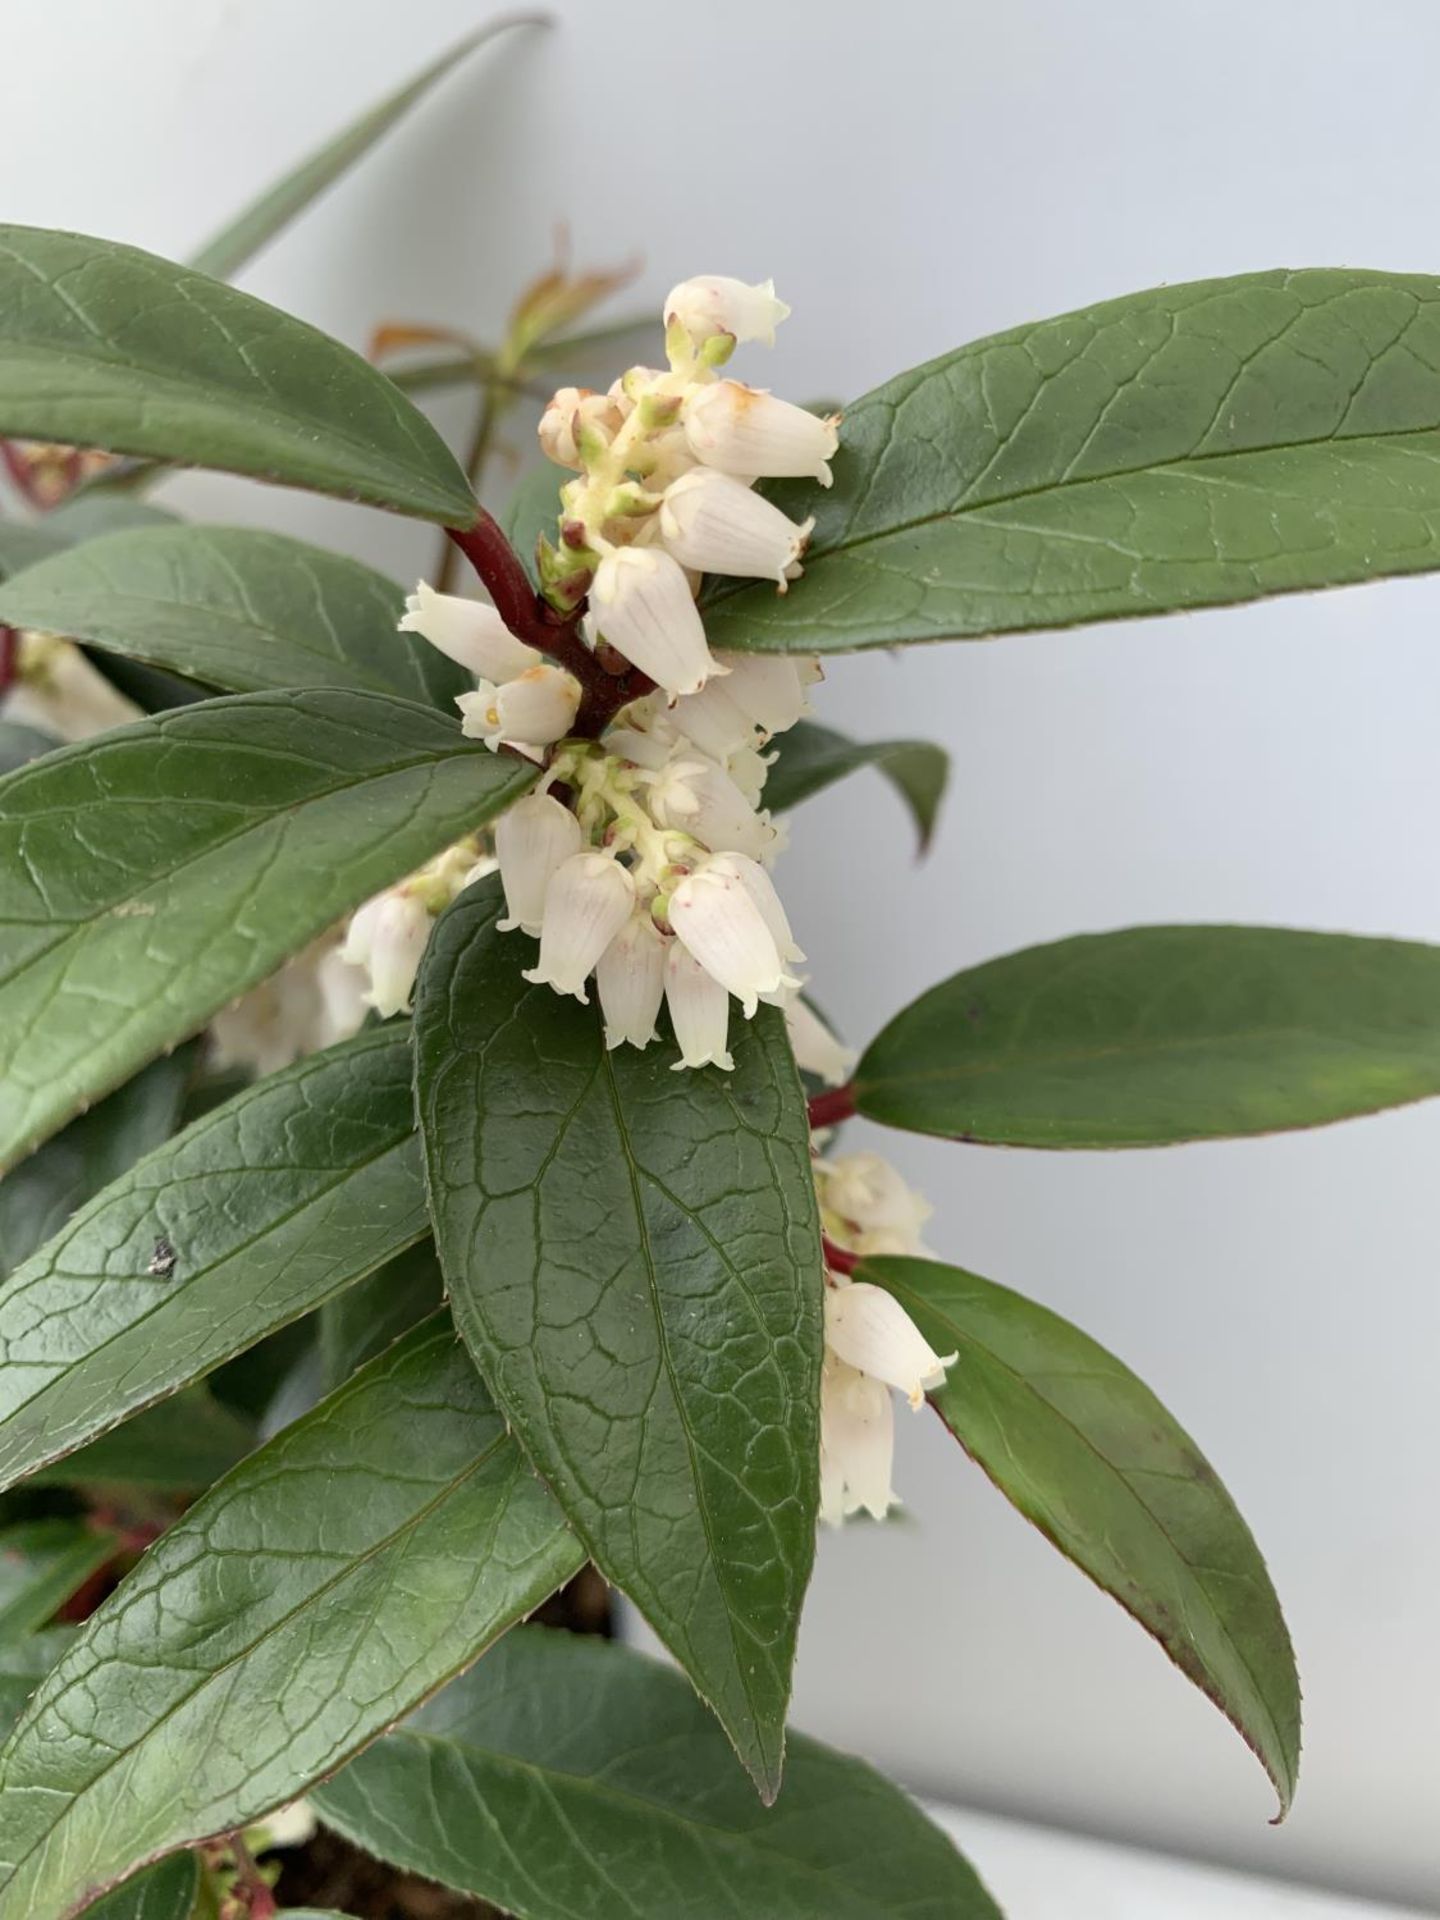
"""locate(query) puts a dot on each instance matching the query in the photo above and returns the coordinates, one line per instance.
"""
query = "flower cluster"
(871, 1343)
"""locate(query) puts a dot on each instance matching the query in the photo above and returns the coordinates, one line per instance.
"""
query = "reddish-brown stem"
(9, 658)
(250, 1883)
(532, 619)
(828, 1109)
(836, 1258)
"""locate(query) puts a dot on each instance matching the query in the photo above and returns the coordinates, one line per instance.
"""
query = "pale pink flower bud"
(693, 795)
(815, 1047)
(387, 936)
(641, 603)
(771, 687)
(869, 1329)
(530, 712)
(718, 525)
(532, 839)
(469, 632)
(586, 904)
(699, 1011)
(714, 912)
(857, 1443)
(630, 978)
(746, 431)
(713, 303)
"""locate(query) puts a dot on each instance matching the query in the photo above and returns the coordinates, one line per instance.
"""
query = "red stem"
(250, 1883)
(9, 658)
(828, 1109)
(836, 1258)
(532, 619)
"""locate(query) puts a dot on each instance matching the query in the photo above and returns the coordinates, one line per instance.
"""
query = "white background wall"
(915, 174)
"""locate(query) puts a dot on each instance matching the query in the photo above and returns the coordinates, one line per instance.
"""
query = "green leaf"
(39, 1196)
(1159, 1034)
(345, 1571)
(22, 543)
(18, 745)
(42, 1562)
(812, 758)
(237, 609)
(95, 511)
(24, 1663)
(272, 1204)
(1089, 1455)
(177, 1446)
(150, 876)
(240, 239)
(532, 509)
(1191, 446)
(163, 1892)
(363, 1320)
(102, 345)
(633, 1258)
(561, 1765)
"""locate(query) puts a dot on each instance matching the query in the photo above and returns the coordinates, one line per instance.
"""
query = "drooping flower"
(698, 797)
(717, 524)
(877, 1210)
(716, 915)
(533, 839)
(771, 687)
(699, 1011)
(857, 1443)
(529, 713)
(714, 303)
(387, 937)
(587, 902)
(630, 979)
(641, 603)
(868, 1329)
(747, 431)
(815, 1047)
(469, 632)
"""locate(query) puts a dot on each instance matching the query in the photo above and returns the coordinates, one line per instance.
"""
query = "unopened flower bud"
(868, 1328)
(718, 525)
(699, 1011)
(743, 430)
(587, 903)
(469, 632)
(713, 304)
(575, 417)
(527, 713)
(693, 795)
(715, 913)
(630, 978)
(387, 936)
(532, 839)
(641, 603)
(866, 1192)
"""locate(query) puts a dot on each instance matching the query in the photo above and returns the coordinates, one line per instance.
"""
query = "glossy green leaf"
(24, 1663)
(633, 1258)
(102, 345)
(270, 1205)
(532, 510)
(180, 1445)
(812, 758)
(166, 1891)
(150, 876)
(363, 1320)
(562, 1765)
(22, 543)
(39, 1196)
(19, 745)
(1158, 1034)
(240, 239)
(42, 1562)
(345, 1571)
(97, 510)
(1091, 1457)
(237, 609)
(1187, 447)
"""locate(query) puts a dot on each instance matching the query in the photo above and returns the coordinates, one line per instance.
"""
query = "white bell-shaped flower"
(771, 687)
(716, 524)
(699, 1011)
(529, 713)
(532, 839)
(630, 979)
(469, 632)
(815, 1047)
(746, 431)
(857, 1443)
(640, 601)
(865, 1190)
(587, 903)
(693, 795)
(716, 724)
(869, 1329)
(713, 303)
(761, 889)
(715, 912)
(387, 936)
(749, 769)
